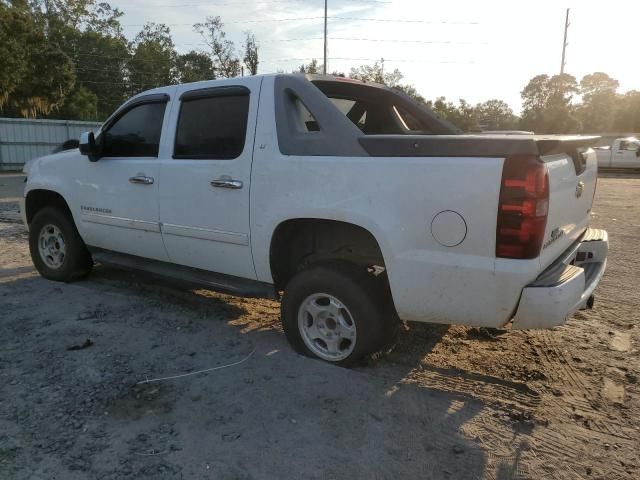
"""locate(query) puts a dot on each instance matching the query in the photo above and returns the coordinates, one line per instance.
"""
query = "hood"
(53, 157)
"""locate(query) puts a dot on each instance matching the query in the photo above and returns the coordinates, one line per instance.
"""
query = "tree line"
(70, 59)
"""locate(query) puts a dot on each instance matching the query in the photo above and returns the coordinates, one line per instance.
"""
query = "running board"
(219, 282)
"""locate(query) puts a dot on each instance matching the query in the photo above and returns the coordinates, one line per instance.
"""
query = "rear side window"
(136, 133)
(212, 127)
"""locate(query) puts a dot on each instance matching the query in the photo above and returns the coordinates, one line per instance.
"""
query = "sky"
(475, 50)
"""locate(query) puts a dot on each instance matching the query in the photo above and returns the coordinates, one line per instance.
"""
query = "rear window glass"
(212, 127)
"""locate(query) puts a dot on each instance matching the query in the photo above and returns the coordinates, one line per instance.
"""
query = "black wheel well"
(38, 199)
(299, 242)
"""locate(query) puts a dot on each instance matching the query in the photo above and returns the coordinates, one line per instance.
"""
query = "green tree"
(599, 102)
(91, 35)
(153, 60)
(41, 73)
(250, 58)
(194, 67)
(411, 91)
(463, 115)
(101, 67)
(627, 115)
(312, 68)
(547, 104)
(376, 74)
(223, 51)
(495, 115)
(16, 27)
(82, 104)
(81, 14)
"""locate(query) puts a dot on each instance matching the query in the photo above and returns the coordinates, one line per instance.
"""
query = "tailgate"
(573, 170)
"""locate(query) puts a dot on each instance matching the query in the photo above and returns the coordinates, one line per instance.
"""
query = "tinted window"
(212, 127)
(136, 133)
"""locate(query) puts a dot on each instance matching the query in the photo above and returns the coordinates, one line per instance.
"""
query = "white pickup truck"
(622, 153)
(355, 203)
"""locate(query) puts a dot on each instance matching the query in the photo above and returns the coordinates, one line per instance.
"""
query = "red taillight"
(523, 208)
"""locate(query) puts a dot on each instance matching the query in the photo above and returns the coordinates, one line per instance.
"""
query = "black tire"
(363, 296)
(76, 262)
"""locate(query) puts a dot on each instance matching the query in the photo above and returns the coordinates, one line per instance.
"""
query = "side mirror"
(89, 147)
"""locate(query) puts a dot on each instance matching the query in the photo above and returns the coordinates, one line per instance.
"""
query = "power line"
(406, 60)
(392, 40)
(399, 20)
(274, 40)
(296, 19)
(351, 39)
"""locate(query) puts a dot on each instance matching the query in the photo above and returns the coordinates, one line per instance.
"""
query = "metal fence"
(23, 139)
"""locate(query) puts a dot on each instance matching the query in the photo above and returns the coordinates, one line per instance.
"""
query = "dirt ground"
(446, 403)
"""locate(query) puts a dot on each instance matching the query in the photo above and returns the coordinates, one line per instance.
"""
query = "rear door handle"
(226, 182)
(141, 179)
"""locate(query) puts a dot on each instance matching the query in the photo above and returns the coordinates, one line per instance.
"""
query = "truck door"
(625, 154)
(119, 192)
(204, 188)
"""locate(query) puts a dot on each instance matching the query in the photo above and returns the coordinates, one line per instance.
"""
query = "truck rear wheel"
(336, 312)
(57, 250)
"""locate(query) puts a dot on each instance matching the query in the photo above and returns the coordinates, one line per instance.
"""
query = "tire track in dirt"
(489, 389)
(553, 356)
(578, 400)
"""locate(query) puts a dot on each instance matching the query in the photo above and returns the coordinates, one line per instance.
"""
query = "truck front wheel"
(57, 250)
(336, 312)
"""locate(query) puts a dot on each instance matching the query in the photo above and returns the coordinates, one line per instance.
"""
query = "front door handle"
(226, 182)
(141, 179)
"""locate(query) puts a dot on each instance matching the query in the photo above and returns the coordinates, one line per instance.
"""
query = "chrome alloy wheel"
(51, 246)
(327, 327)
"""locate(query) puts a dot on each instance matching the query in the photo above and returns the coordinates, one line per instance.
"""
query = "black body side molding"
(219, 282)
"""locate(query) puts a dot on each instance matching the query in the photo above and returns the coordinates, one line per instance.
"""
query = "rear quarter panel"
(396, 200)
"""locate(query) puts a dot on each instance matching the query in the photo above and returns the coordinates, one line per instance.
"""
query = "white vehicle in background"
(355, 203)
(622, 153)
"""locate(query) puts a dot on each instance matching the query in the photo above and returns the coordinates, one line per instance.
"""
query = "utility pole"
(382, 67)
(564, 43)
(324, 66)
